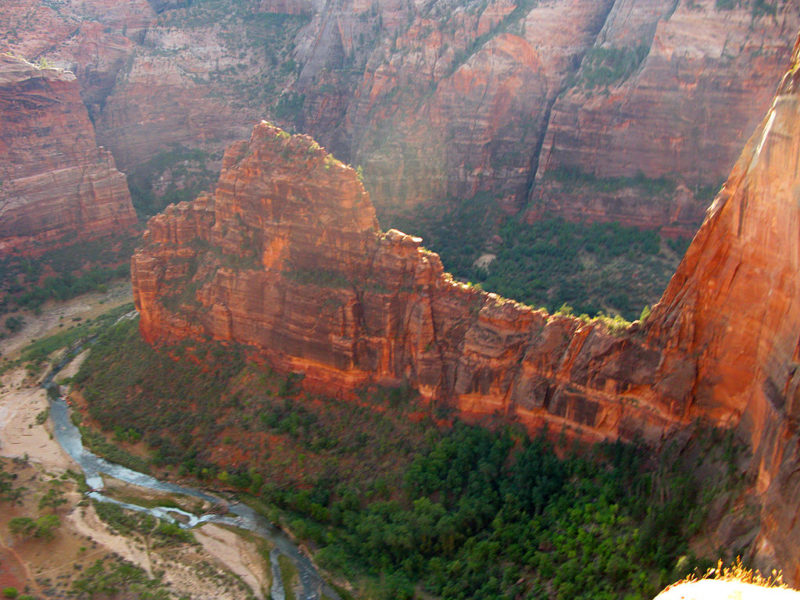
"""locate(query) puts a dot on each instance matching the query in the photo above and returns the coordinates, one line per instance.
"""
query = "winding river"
(240, 515)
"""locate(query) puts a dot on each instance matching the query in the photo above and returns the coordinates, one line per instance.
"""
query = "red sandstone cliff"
(714, 67)
(441, 99)
(55, 182)
(733, 309)
(286, 256)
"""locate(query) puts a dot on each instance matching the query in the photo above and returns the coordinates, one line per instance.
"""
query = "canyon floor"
(223, 563)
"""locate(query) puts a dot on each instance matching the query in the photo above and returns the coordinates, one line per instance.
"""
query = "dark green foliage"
(98, 444)
(289, 106)
(38, 351)
(457, 230)
(8, 491)
(110, 580)
(490, 515)
(592, 267)
(52, 499)
(62, 274)
(173, 395)
(479, 514)
(679, 245)
(553, 262)
(188, 167)
(43, 527)
(14, 324)
(126, 522)
(758, 8)
(573, 179)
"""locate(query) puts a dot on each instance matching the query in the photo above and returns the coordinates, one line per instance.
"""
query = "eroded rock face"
(733, 308)
(704, 78)
(437, 100)
(286, 256)
(55, 182)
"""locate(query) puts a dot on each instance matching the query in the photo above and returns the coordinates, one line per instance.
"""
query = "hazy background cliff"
(534, 102)
(469, 119)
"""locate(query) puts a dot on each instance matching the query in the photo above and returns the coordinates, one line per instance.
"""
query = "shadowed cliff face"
(55, 182)
(439, 99)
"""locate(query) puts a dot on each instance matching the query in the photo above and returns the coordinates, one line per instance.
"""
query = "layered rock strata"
(55, 182)
(445, 99)
(670, 90)
(733, 311)
(287, 257)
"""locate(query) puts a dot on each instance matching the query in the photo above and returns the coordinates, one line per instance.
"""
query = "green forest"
(592, 267)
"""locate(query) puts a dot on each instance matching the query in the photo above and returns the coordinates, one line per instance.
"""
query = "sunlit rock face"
(286, 256)
(733, 309)
(55, 182)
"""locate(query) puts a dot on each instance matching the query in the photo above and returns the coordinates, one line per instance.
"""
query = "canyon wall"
(547, 106)
(733, 310)
(286, 256)
(55, 182)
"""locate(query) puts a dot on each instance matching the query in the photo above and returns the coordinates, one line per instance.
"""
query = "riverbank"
(84, 549)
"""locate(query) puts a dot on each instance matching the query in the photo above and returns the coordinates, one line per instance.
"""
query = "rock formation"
(286, 257)
(618, 120)
(444, 99)
(733, 310)
(55, 182)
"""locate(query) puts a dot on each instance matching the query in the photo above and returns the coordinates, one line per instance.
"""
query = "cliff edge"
(55, 182)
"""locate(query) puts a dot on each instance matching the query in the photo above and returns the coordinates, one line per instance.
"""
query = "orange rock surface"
(55, 182)
(733, 310)
(286, 256)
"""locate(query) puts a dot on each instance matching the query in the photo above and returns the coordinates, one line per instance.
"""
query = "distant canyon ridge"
(599, 110)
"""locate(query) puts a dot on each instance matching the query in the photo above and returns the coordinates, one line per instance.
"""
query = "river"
(240, 515)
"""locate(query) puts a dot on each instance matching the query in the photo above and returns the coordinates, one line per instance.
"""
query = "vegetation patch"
(80, 267)
(479, 513)
(187, 170)
(607, 65)
(592, 267)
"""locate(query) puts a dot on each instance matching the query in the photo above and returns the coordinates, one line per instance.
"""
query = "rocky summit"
(286, 257)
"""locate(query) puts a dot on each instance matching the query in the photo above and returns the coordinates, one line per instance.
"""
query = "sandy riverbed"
(21, 437)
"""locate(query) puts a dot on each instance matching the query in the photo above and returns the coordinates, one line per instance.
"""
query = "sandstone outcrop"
(443, 100)
(714, 65)
(56, 183)
(733, 310)
(286, 256)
